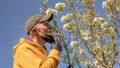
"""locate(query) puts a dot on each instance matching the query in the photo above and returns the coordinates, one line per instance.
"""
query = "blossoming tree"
(89, 40)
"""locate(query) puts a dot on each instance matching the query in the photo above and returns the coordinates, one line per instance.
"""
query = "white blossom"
(59, 6)
(63, 19)
(98, 66)
(81, 51)
(118, 8)
(85, 37)
(66, 26)
(95, 19)
(96, 62)
(103, 25)
(101, 19)
(50, 10)
(66, 18)
(85, 32)
(69, 15)
(111, 29)
(73, 43)
(104, 4)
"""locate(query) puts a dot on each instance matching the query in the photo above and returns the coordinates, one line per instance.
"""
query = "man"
(31, 53)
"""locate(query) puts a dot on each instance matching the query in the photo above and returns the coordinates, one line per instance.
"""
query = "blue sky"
(13, 14)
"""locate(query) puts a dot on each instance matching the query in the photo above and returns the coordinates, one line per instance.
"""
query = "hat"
(33, 20)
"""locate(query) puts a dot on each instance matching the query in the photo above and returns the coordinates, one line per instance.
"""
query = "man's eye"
(47, 24)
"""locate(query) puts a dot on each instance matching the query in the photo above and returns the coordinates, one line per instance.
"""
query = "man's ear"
(32, 33)
(33, 30)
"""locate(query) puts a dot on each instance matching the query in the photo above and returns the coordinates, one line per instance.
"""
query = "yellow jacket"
(28, 54)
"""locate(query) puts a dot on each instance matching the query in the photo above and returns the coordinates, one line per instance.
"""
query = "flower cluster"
(67, 17)
(100, 21)
(111, 31)
(73, 43)
(60, 6)
(77, 15)
(94, 33)
(67, 26)
(69, 2)
(81, 51)
(50, 10)
(106, 4)
(45, 2)
(85, 34)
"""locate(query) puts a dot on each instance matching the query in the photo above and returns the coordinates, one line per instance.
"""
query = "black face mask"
(48, 38)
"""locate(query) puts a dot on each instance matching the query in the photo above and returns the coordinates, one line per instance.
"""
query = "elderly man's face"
(44, 28)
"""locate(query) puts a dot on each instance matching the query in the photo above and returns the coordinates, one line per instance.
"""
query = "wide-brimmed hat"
(33, 20)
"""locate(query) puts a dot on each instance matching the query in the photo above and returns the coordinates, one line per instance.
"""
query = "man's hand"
(56, 45)
(54, 42)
